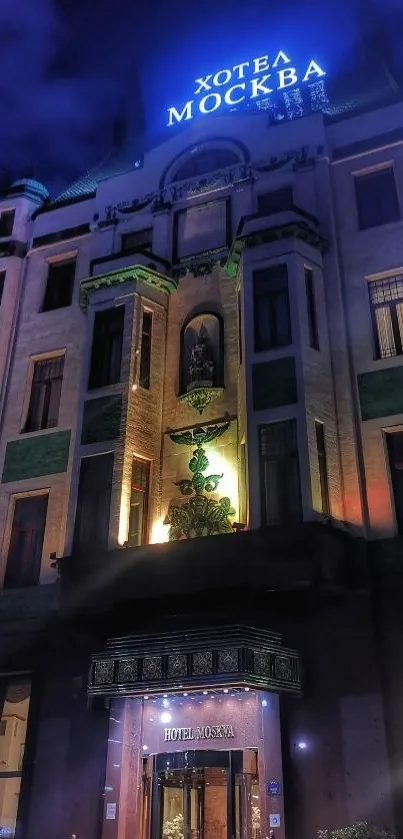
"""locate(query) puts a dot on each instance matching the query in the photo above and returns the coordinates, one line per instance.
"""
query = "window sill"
(40, 432)
(113, 388)
(55, 308)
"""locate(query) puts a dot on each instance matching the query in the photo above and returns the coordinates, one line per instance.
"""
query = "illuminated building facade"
(200, 458)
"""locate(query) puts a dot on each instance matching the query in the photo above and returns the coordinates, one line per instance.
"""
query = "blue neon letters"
(240, 87)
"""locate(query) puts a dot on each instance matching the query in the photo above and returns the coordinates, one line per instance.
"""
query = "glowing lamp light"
(302, 745)
(124, 512)
(159, 532)
(228, 485)
(165, 717)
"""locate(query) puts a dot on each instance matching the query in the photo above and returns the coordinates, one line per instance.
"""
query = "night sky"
(76, 73)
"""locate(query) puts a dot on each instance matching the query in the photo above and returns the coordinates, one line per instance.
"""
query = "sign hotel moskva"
(203, 732)
(243, 83)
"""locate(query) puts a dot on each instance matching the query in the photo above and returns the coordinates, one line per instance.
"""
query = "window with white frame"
(386, 296)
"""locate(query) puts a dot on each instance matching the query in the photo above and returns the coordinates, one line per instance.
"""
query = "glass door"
(201, 795)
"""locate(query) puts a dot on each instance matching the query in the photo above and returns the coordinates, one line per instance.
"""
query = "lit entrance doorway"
(201, 795)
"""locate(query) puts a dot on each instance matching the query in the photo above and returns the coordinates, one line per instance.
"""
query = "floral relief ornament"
(201, 515)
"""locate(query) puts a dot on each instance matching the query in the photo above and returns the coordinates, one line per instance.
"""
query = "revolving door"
(201, 795)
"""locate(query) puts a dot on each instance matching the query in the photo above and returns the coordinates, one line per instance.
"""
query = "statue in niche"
(201, 370)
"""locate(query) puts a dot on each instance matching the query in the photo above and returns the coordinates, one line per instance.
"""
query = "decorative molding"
(217, 657)
(152, 668)
(289, 230)
(128, 207)
(201, 515)
(177, 665)
(199, 397)
(200, 436)
(104, 672)
(228, 660)
(128, 670)
(163, 199)
(201, 265)
(136, 273)
(202, 664)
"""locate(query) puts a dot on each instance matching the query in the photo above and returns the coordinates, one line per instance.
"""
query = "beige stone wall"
(43, 333)
(141, 433)
(364, 255)
(213, 293)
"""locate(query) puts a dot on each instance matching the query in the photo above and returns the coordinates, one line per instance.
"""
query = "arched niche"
(201, 359)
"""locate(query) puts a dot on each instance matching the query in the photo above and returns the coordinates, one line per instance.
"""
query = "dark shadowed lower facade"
(201, 501)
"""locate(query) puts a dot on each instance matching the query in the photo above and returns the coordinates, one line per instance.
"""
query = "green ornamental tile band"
(32, 457)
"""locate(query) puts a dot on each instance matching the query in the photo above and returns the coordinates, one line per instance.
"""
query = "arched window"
(202, 353)
(205, 161)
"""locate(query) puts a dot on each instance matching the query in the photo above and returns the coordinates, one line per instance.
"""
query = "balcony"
(305, 557)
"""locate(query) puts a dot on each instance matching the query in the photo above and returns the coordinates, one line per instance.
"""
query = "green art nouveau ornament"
(201, 515)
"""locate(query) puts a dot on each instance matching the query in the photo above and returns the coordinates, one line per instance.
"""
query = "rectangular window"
(138, 520)
(395, 451)
(376, 196)
(271, 308)
(279, 473)
(275, 202)
(43, 411)
(26, 542)
(2, 281)
(311, 309)
(386, 298)
(138, 240)
(59, 285)
(14, 708)
(6, 223)
(323, 477)
(145, 352)
(107, 343)
(204, 227)
(91, 530)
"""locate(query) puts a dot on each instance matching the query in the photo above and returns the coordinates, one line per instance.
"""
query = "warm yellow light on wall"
(124, 513)
(159, 532)
(228, 485)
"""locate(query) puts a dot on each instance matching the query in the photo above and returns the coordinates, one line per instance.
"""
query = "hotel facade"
(201, 498)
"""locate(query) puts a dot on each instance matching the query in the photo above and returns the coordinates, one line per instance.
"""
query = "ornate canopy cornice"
(236, 656)
(132, 274)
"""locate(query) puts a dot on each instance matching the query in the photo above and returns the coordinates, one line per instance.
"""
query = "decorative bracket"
(199, 397)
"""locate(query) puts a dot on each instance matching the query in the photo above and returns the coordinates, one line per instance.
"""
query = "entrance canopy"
(236, 656)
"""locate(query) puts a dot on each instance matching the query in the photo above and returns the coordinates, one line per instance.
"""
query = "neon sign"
(243, 83)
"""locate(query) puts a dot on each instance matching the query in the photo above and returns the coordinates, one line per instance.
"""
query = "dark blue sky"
(68, 68)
